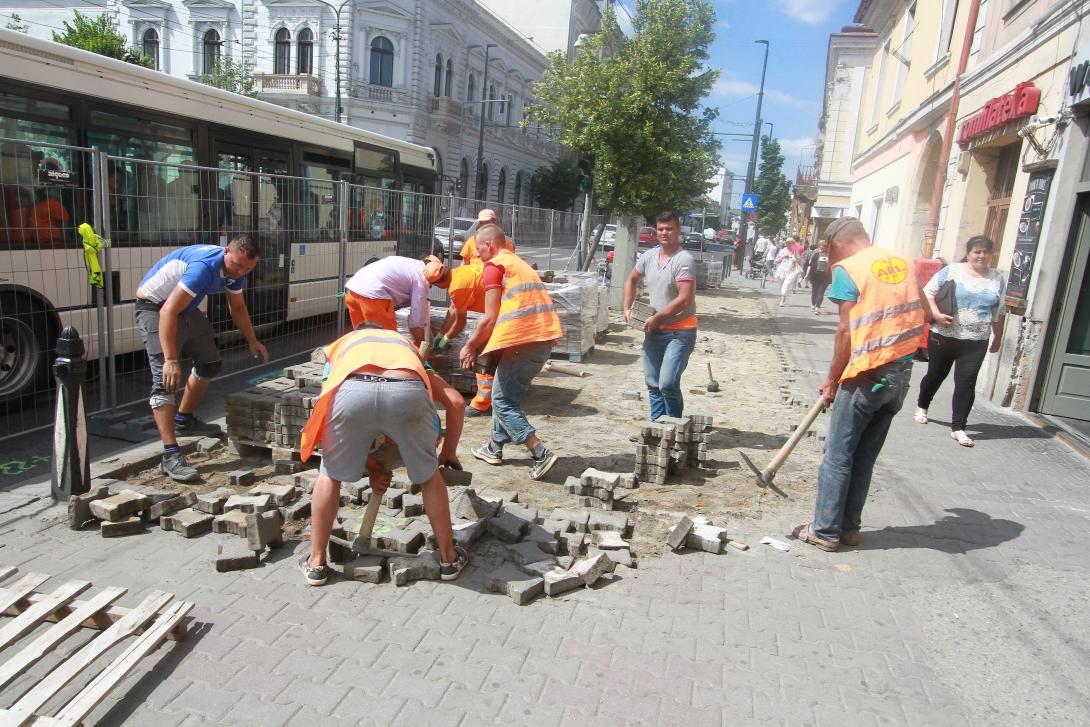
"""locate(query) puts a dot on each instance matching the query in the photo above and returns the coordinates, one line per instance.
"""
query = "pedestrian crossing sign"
(749, 203)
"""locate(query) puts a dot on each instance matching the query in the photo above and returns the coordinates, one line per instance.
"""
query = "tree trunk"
(613, 199)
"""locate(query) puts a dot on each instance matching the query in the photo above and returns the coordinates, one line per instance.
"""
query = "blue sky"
(798, 33)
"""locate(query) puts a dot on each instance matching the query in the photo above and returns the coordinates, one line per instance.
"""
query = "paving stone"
(418, 568)
(520, 587)
(557, 582)
(456, 478)
(619, 521)
(305, 480)
(412, 505)
(556, 526)
(212, 502)
(467, 505)
(231, 523)
(546, 540)
(507, 527)
(120, 528)
(209, 444)
(592, 477)
(355, 490)
(572, 543)
(565, 561)
(529, 514)
(366, 568)
(287, 466)
(578, 518)
(116, 508)
(174, 504)
(188, 523)
(236, 556)
(467, 532)
(620, 557)
(540, 568)
(263, 530)
(401, 541)
(610, 540)
(281, 494)
(240, 478)
(676, 539)
(79, 506)
(707, 538)
(298, 510)
(523, 553)
(249, 503)
(590, 569)
(392, 497)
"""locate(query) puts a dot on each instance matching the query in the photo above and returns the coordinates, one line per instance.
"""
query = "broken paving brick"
(79, 506)
(249, 503)
(518, 586)
(507, 527)
(212, 502)
(281, 494)
(620, 557)
(174, 504)
(590, 569)
(676, 539)
(558, 582)
(610, 540)
(578, 519)
(120, 528)
(527, 552)
(119, 507)
(188, 523)
(414, 568)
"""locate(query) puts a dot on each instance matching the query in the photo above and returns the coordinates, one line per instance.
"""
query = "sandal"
(961, 438)
(921, 416)
(805, 533)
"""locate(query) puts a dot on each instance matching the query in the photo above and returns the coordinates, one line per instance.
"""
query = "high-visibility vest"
(527, 313)
(469, 250)
(888, 318)
(467, 287)
(348, 354)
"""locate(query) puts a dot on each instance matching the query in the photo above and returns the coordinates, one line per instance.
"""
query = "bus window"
(234, 202)
(317, 218)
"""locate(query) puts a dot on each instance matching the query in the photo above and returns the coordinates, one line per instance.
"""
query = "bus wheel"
(23, 346)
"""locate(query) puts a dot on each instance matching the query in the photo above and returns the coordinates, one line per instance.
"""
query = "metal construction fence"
(313, 235)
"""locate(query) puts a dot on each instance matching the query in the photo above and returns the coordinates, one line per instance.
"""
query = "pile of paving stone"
(697, 533)
(577, 300)
(274, 412)
(670, 445)
(446, 362)
(597, 489)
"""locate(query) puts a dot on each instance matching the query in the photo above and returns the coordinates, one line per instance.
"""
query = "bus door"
(253, 195)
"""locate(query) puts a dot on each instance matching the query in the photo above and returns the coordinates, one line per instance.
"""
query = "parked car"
(463, 228)
(609, 236)
(693, 241)
(647, 237)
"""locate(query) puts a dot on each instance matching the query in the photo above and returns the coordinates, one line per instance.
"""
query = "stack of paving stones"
(576, 297)
(670, 445)
(273, 413)
(602, 324)
(697, 533)
(446, 362)
(596, 489)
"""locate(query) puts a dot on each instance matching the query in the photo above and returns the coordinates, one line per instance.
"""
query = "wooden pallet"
(148, 624)
(573, 357)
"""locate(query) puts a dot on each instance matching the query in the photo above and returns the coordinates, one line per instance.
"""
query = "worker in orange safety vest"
(469, 249)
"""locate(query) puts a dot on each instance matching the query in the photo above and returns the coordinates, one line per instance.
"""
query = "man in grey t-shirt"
(669, 334)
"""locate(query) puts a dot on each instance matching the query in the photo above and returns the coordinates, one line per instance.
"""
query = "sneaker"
(176, 468)
(316, 575)
(542, 465)
(197, 427)
(474, 412)
(485, 453)
(451, 571)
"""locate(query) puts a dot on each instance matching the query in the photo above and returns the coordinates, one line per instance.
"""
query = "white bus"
(187, 163)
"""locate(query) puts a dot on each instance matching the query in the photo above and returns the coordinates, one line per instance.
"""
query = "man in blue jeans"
(669, 334)
(882, 314)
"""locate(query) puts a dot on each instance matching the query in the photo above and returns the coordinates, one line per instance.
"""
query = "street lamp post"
(337, 53)
(479, 191)
(757, 126)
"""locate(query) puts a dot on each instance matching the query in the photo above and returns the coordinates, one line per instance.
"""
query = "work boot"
(175, 467)
(542, 464)
(194, 426)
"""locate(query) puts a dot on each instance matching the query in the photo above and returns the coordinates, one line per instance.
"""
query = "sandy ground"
(588, 424)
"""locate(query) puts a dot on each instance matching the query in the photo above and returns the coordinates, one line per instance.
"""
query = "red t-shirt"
(492, 276)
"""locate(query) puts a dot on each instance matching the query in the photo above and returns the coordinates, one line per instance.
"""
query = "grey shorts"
(196, 343)
(362, 410)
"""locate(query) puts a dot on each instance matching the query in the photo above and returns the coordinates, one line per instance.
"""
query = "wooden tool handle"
(369, 516)
(565, 368)
(797, 435)
(710, 377)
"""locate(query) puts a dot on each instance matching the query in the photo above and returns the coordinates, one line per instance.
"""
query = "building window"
(463, 178)
(211, 55)
(491, 97)
(282, 53)
(471, 92)
(501, 187)
(1000, 191)
(880, 82)
(904, 55)
(450, 76)
(946, 30)
(382, 62)
(437, 89)
(518, 188)
(305, 54)
(151, 46)
(509, 104)
(482, 182)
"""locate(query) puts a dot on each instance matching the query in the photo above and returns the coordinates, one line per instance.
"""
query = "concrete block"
(706, 538)
(188, 523)
(232, 523)
(558, 582)
(548, 541)
(116, 508)
(392, 497)
(577, 518)
(174, 504)
(240, 478)
(298, 510)
(572, 543)
(507, 527)
(212, 502)
(610, 521)
(610, 540)
(467, 532)
(305, 480)
(469, 506)
(456, 478)
(236, 557)
(556, 526)
(590, 569)
(401, 541)
(565, 562)
(596, 478)
(631, 395)
(524, 553)
(619, 557)
(366, 568)
(79, 506)
(263, 530)
(209, 444)
(281, 494)
(518, 586)
(249, 503)
(529, 514)
(287, 466)
(355, 490)
(129, 526)
(418, 568)
(412, 505)
(678, 534)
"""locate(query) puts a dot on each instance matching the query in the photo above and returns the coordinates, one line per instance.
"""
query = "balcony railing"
(381, 94)
(806, 176)
(302, 83)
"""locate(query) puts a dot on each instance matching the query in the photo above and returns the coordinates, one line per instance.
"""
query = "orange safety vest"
(467, 287)
(888, 318)
(527, 313)
(469, 250)
(351, 352)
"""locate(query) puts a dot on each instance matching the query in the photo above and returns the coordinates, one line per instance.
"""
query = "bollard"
(71, 468)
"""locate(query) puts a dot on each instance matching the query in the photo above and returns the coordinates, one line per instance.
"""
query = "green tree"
(772, 189)
(558, 184)
(633, 104)
(231, 75)
(98, 35)
(16, 23)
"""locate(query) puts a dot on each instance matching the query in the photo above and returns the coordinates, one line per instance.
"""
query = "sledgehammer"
(765, 476)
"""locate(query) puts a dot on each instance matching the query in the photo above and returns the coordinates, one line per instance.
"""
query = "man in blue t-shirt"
(176, 333)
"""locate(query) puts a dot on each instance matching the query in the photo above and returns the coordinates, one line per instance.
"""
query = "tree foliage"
(558, 184)
(16, 23)
(231, 75)
(772, 189)
(633, 104)
(98, 35)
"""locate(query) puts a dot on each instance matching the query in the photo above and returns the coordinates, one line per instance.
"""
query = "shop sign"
(1029, 234)
(1022, 101)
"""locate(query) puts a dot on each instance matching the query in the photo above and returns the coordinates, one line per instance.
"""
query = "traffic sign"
(749, 203)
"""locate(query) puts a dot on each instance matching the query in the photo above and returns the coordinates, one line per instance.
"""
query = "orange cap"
(434, 270)
(486, 215)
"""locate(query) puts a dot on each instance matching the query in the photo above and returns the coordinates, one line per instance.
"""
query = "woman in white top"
(961, 340)
(787, 269)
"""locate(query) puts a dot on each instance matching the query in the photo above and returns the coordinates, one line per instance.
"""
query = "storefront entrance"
(1067, 386)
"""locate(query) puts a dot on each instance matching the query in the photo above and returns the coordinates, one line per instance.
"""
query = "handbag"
(946, 299)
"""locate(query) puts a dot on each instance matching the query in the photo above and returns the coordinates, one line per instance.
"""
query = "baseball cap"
(486, 215)
(434, 270)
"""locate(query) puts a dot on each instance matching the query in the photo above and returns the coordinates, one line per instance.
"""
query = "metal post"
(71, 466)
(342, 251)
(751, 171)
(337, 61)
(98, 185)
(450, 234)
(108, 281)
(482, 193)
(552, 218)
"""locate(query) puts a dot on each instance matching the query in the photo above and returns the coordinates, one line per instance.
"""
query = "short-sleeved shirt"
(843, 288)
(469, 250)
(198, 269)
(397, 279)
(979, 302)
(467, 287)
(662, 279)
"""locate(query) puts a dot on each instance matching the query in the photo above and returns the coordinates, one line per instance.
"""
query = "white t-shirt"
(398, 279)
(979, 302)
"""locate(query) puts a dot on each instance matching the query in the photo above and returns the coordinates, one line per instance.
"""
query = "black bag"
(946, 300)
(821, 263)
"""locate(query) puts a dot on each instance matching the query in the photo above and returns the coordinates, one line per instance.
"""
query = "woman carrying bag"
(965, 300)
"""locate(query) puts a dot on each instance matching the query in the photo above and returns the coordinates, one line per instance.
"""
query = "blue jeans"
(665, 356)
(858, 426)
(517, 368)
